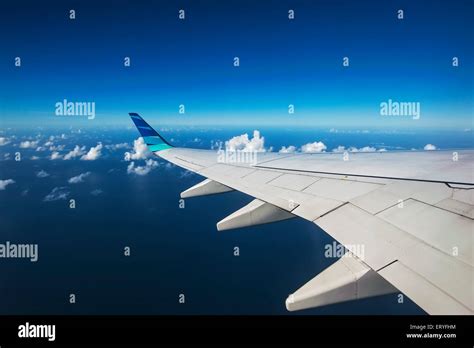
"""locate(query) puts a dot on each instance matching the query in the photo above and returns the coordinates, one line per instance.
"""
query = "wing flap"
(431, 298)
(448, 232)
(345, 280)
(385, 244)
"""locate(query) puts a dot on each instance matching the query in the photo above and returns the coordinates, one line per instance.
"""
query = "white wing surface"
(411, 213)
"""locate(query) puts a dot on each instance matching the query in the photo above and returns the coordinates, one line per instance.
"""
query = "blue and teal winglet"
(153, 140)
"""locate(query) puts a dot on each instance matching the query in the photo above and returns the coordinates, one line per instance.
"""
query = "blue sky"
(282, 62)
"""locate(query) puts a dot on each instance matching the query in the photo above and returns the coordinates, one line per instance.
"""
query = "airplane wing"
(405, 218)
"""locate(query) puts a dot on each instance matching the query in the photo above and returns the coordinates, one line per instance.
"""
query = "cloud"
(78, 151)
(185, 174)
(56, 194)
(79, 178)
(341, 148)
(28, 144)
(429, 147)
(42, 174)
(55, 155)
(317, 146)
(349, 131)
(243, 143)
(5, 183)
(93, 154)
(140, 151)
(96, 192)
(4, 141)
(114, 147)
(142, 170)
(57, 147)
(364, 149)
(289, 149)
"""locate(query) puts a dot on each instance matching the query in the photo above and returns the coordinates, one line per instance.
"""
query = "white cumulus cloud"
(56, 155)
(5, 183)
(340, 148)
(94, 153)
(289, 149)
(317, 146)
(429, 147)
(244, 143)
(140, 151)
(78, 151)
(28, 144)
(79, 178)
(142, 170)
(4, 141)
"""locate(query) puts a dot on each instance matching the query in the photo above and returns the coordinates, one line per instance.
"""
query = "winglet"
(153, 140)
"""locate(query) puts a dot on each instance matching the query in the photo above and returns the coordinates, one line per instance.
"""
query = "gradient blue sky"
(282, 62)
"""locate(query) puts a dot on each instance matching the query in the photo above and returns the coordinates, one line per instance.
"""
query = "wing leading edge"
(411, 212)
